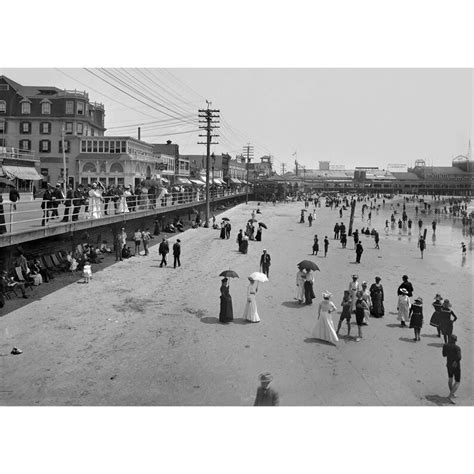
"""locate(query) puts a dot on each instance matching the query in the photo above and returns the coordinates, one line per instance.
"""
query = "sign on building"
(397, 167)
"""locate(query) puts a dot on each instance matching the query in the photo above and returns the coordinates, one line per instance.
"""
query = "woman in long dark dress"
(315, 245)
(222, 236)
(258, 235)
(435, 317)
(376, 295)
(226, 314)
(416, 317)
(445, 321)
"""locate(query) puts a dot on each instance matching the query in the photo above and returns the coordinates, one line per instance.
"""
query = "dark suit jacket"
(266, 397)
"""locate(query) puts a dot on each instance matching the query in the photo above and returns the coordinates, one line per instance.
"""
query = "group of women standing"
(226, 314)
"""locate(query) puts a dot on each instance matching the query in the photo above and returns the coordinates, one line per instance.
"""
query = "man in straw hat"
(266, 396)
(452, 352)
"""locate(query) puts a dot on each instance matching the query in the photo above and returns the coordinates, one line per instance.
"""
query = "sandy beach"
(139, 334)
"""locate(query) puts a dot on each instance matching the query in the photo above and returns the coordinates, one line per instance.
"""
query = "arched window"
(89, 168)
(102, 168)
(116, 168)
(3, 107)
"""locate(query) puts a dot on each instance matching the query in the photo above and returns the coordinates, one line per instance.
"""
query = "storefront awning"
(180, 180)
(22, 172)
(218, 181)
(234, 181)
(198, 182)
(165, 180)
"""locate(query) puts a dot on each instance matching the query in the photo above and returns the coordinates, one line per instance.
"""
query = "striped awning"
(22, 172)
(198, 182)
(218, 181)
(180, 180)
(235, 181)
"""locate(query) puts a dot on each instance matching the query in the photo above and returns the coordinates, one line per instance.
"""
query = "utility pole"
(64, 162)
(248, 153)
(208, 115)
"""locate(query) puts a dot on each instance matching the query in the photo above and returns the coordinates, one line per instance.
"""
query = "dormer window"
(25, 108)
(46, 108)
(3, 107)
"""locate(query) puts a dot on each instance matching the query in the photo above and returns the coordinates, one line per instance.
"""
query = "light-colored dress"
(250, 311)
(324, 327)
(403, 308)
(123, 206)
(95, 197)
(87, 271)
(300, 279)
(354, 287)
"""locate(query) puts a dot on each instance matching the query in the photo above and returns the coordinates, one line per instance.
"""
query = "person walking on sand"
(407, 285)
(343, 240)
(137, 238)
(435, 317)
(310, 219)
(326, 245)
(265, 262)
(240, 237)
(315, 245)
(452, 352)
(377, 240)
(403, 307)
(266, 396)
(354, 287)
(377, 297)
(226, 314)
(324, 327)
(336, 231)
(346, 313)
(445, 321)
(359, 250)
(302, 217)
(300, 279)
(355, 236)
(421, 245)
(146, 236)
(308, 287)
(361, 308)
(177, 253)
(250, 310)
(163, 250)
(416, 317)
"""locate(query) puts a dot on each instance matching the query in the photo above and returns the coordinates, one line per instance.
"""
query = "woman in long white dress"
(123, 206)
(354, 287)
(300, 279)
(250, 311)
(324, 327)
(403, 307)
(95, 198)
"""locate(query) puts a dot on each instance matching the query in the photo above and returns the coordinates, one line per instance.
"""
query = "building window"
(67, 146)
(25, 108)
(80, 128)
(89, 146)
(70, 107)
(94, 146)
(46, 108)
(89, 168)
(45, 128)
(124, 147)
(69, 128)
(101, 146)
(80, 108)
(116, 168)
(3, 127)
(3, 107)
(25, 127)
(106, 146)
(25, 145)
(83, 146)
(92, 132)
(45, 146)
(102, 169)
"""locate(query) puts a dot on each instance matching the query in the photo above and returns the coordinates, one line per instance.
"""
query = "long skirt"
(226, 313)
(377, 306)
(300, 292)
(308, 292)
(324, 328)
(250, 311)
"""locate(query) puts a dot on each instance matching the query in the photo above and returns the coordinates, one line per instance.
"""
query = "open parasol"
(304, 210)
(229, 274)
(308, 265)
(225, 219)
(252, 220)
(258, 276)
(261, 224)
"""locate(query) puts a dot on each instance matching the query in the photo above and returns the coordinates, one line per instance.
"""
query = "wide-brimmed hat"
(447, 304)
(326, 294)
(405, 277)
(265, 377)
(438, 297)
(355, 276)
(364, 283)
(419, 299)
(405, 292)
(377, 278)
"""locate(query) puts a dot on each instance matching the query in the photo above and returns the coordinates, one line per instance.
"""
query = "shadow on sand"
(293, 304)
(393, 325)
(435, 344)
(319, 341)
(438, 400)
(407, 339)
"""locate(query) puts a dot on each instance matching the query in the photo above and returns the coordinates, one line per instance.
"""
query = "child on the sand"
(346, 312)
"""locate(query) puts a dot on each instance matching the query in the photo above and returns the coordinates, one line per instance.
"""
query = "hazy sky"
(355, 117)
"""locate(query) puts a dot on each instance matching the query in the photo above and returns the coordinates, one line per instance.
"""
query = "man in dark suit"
(265, 262)
(177, 253)
(77, 202)
(163, 250)
(407, 285)
(67, 203)
(266, 396)
(46, 205)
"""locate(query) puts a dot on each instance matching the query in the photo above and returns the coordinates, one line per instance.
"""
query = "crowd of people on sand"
(360, 300)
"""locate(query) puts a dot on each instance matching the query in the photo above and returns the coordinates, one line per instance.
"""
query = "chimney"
(168, 142)
(139, 132)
